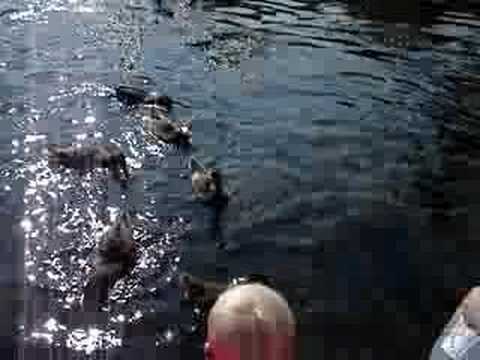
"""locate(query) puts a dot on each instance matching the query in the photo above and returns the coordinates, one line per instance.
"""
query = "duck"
(133, 96)
(116, 255)
(207, 184)
(89, 157)
(200, 292)
(204, 293)
(159, 125)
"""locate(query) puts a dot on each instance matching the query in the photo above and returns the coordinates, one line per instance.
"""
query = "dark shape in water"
(203, 293)
(116, 256)
(207, 184)
(158, 124)
(88, 157)
(200, 292)
(132, 96)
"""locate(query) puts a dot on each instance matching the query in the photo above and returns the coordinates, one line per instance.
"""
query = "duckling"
(203, 293)
(88, 157)
(200, 292)
(135, 96)
(158, 124)
(116, 256)
(207, 184)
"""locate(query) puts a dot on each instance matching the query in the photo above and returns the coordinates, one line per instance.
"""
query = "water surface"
(346, 132)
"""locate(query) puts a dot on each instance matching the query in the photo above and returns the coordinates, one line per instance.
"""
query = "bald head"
(251, 322)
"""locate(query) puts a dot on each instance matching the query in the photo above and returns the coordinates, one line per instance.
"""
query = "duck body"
(132, 96)
(116, 256)
(200, 292)
(159, 125)
(204, 293)
(89, 157)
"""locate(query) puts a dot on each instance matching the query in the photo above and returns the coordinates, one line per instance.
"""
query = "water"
(346, 132)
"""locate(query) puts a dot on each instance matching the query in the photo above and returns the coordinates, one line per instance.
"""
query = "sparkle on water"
(64, 216)
(92, 339)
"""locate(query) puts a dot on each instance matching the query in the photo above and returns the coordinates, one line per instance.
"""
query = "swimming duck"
(200, 292)
(88, 157)
(207, 184)
(115, 258)
(158, 124)
(204, 293)
(134, 96)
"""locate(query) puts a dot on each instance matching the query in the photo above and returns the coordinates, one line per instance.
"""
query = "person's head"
(250, 322)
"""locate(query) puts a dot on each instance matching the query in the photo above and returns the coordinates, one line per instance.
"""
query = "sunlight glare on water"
(65, 216)
(91, 340)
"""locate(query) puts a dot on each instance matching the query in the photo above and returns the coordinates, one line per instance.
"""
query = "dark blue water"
(347, 132)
